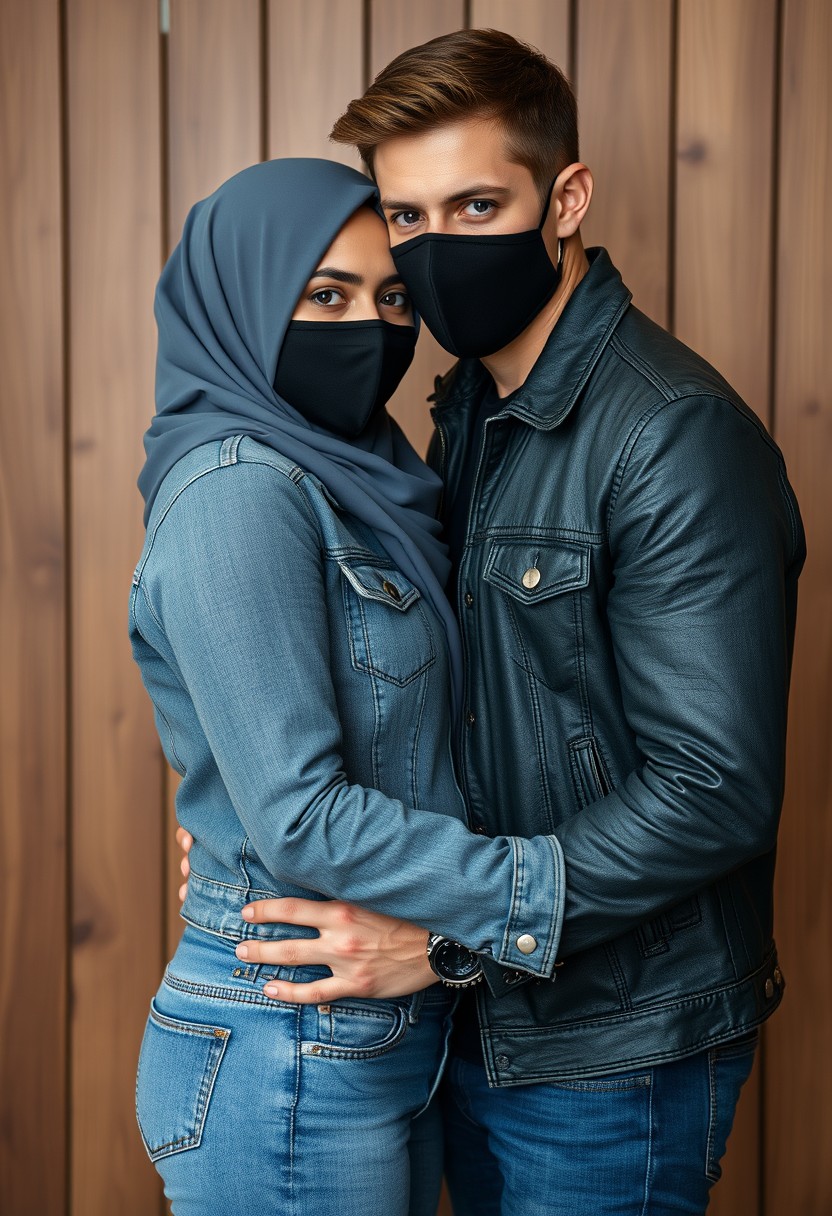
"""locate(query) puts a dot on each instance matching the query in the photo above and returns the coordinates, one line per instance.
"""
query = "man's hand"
(370, 955)
(184, 840)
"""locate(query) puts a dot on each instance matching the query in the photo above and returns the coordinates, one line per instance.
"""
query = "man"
(626, 550)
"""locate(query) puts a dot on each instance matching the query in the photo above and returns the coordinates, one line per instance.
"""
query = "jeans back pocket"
(178, 1066)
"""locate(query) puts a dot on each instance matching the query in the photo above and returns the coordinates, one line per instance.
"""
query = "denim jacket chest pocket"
(389, 633)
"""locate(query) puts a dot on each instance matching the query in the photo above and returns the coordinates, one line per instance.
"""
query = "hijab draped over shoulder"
(223, 305)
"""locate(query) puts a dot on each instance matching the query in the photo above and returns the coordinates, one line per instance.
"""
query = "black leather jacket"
(627, 595)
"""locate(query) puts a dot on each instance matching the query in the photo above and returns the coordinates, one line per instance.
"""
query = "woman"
(288, 617)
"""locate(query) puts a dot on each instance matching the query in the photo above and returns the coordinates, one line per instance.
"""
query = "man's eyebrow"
(340, 276)
(477, 190)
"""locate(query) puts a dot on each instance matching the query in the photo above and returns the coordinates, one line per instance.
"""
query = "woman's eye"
(479, 206)
(327, 296)
(405, 219)
(395, 299)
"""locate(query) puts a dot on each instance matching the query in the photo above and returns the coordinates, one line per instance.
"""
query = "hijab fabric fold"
(223, 305)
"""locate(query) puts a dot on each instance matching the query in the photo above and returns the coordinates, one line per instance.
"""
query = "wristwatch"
(454, 964)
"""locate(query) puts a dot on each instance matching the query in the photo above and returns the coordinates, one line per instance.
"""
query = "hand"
(184, 840)
(370, 955)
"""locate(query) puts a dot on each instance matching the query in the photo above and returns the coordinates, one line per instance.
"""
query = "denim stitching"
(414, 765)
(710, 1171)
(648, 1173)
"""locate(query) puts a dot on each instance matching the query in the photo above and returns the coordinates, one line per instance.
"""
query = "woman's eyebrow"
(340, 276)
(389, 281)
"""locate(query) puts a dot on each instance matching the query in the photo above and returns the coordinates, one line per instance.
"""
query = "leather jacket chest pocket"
(537, 577)
(388, 629)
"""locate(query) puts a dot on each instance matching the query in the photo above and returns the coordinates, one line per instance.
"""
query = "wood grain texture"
(214, 98)
(798, 1099)
(33, 920)
(115, 235)
(543, 23)
(394, 28)
(623, 80)
(214, 119)
(724, 187)
(316, 67)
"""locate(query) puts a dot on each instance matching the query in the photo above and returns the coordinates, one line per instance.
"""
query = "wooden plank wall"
(707, 124)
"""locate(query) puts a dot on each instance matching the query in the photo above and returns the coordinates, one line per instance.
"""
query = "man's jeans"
(247, 1105)
(642, 1143)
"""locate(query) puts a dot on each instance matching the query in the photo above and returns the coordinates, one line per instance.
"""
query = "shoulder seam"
(647, 416)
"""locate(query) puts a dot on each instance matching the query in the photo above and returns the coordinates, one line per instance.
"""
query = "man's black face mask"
(478, 293)
(339, 374)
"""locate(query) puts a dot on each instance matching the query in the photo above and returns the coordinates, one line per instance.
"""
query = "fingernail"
(242, 951)
(248, 913)
(271, 990)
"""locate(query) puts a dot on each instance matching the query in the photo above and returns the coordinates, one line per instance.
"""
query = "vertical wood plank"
(115, 235)
(33, 921)
(724, 187)
(214, 98)
(798, 1098)
(394, 28)
(543, 23)
(623, 80)
(214, 90)
(316, 67)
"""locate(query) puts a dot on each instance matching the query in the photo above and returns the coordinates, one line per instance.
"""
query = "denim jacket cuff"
(534, 926)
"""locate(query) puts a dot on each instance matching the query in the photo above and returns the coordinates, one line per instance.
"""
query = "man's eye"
(405, 219)
(327, 296)
(479, 206)
(395, 299)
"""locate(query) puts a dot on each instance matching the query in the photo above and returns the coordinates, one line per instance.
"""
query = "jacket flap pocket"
(535, 570)
(375, 581)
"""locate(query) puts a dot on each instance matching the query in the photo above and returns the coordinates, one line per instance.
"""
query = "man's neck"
(510, 366)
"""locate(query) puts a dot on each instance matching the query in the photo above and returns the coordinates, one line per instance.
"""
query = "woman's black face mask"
(478, 293)
(339, 374)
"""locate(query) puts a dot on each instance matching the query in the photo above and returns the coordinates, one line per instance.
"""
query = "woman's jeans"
(644, 1143)
(250, 1105)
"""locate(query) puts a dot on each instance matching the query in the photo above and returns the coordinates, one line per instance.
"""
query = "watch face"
(455, 962)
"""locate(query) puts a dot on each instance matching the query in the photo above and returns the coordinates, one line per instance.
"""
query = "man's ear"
(571, 196)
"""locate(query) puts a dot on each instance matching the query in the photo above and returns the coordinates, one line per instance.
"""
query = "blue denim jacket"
(300, 684)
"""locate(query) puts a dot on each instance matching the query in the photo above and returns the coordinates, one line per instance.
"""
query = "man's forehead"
(455, 159)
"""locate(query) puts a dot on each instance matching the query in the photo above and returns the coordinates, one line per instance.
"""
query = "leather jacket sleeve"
(705, 541)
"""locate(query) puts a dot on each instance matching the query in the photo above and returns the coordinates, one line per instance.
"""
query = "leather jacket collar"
(566, 361)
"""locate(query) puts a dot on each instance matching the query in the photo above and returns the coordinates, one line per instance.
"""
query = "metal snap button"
(392, 590)
(778, 976)
(769, 989)
(469, 600)
(526, 944)
(502, 1061)
(531, 578)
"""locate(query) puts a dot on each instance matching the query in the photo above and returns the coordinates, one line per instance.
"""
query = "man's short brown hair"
(471, 74)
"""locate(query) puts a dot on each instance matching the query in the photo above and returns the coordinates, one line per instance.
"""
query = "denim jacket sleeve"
(236, 585)
(706, 542)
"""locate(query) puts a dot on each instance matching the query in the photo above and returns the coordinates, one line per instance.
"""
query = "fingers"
(183, 891)
(184, 839)
(288, 952)
(318, 914)
(321, 992)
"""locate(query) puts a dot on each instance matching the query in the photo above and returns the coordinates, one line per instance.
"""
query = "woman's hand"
(184, 840)
(370, 955)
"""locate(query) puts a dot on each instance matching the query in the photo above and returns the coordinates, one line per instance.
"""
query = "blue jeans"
(642, 1143)
(250, 1105)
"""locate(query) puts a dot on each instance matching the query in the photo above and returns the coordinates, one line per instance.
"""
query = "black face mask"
(338, 374)
(478, 293)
